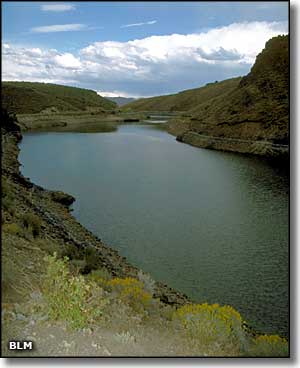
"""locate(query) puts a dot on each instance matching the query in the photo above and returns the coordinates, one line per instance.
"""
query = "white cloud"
(67, 60)
(243, 40)
(148, 66)
(59, 28)
(139, 24)
(57, 7)
(34, 52)
(119, 94)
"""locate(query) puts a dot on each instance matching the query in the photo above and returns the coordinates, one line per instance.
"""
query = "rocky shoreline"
(58, 224)
(260, 148)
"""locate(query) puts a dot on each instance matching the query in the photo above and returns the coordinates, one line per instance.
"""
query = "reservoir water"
(213, 225)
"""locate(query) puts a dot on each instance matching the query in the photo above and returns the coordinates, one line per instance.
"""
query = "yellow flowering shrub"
(269, 345)
(118, 283)
(101, 277)
(208, 324)
(130, 290)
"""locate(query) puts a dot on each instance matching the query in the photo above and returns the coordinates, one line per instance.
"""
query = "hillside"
(185, 100)
(257, 108)
(31, 98)
(120, 101)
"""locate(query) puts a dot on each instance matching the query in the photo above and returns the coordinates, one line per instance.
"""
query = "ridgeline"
(247, 115)
(45, 106)
(34, 98)
(185, 100)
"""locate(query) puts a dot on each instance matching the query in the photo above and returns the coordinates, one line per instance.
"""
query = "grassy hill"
(185, 100)
(31, 98)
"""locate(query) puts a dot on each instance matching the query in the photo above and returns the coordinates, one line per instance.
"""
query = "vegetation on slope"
(258, 107)
(31, 98)
(185, 100)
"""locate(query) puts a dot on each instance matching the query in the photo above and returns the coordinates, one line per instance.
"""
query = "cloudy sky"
(135, 48)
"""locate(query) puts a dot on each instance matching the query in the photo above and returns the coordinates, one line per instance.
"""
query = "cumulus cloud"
(139, 24)
(243, 41)
(68, 61)
(57, 7)
(149, 66)
(59, 28)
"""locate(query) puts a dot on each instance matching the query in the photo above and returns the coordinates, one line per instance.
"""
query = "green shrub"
(91, 258)
(211, 324)
(32, 222)
(77, 266)
(4, 187)
(100, 274)
(269, 345)
(49, 247)
(8, 204)
(7, 197)
(71, 251)
(14, 229)
(71, 298)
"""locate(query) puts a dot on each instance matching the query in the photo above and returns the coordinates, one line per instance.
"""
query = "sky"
(135, 49)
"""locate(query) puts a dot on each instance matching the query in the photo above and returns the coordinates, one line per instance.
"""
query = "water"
(211, 224)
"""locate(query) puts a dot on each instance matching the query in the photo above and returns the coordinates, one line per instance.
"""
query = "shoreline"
(72, 121)
(255, 147)
(66, 229)
(53, 207)
(87, 122)
(60, 226)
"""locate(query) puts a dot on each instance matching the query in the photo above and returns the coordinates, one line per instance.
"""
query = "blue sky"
(135, 48)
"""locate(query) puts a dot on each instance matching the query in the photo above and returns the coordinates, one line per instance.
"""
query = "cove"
(213, 225)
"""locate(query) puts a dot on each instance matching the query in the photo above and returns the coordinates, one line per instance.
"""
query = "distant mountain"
(31, 97)
(120, 101)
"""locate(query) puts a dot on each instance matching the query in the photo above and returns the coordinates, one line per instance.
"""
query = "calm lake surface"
(213, 225)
